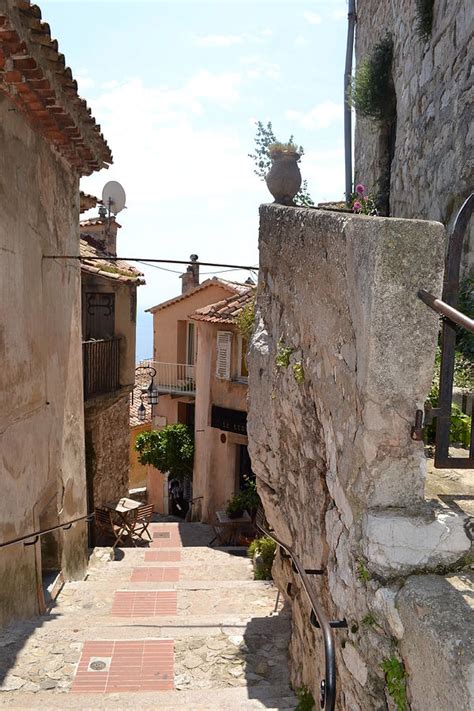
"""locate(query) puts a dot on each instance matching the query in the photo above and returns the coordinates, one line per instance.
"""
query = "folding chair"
(141, 521)
(105, 523)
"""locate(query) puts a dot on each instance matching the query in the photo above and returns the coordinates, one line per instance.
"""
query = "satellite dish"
(113, 196)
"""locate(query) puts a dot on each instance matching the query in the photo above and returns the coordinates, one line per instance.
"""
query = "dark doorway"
(186, 414)
(244, 471)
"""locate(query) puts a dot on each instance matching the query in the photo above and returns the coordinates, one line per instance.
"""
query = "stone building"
(221, 459)
(428, 146)
(139, 473)
(338, 367)
(174, 358)
(48, 139)
(109, 308)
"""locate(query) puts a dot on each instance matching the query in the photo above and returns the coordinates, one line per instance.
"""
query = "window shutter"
(224, 341)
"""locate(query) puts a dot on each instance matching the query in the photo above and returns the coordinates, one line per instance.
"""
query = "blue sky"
(177, 87)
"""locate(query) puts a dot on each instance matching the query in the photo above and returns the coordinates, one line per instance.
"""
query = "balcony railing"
(173, 378)
(101, 366)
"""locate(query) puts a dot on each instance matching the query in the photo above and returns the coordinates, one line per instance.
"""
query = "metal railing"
(318, 617)
(36, 534)
(101, 366)
(173, 378)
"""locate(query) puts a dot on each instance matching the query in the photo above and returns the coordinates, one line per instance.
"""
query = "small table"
(124, 508)
(228, 529)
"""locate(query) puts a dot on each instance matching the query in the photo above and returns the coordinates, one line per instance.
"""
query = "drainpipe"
(347, 107)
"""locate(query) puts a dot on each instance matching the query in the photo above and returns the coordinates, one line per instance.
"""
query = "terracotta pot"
(284, 177)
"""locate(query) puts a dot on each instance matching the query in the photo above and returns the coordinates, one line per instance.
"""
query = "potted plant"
(236, 506)
(284, 177)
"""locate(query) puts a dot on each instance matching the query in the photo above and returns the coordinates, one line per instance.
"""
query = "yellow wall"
(138, 472)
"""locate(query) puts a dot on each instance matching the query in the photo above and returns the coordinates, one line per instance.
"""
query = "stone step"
(276, 698)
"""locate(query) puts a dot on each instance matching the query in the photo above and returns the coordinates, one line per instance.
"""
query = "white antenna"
(113, 197)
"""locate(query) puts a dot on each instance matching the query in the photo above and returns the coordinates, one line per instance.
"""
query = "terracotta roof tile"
(34, 75)
(111, 269)
(227, 310)
(233, 287)
(87, 201)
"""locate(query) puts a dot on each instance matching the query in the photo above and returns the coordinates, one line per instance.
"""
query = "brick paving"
(154, 575)
(131, 665)
(144, 603)
(162, 556)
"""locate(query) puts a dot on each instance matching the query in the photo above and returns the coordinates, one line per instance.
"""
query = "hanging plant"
(372, 92)
(424, 14)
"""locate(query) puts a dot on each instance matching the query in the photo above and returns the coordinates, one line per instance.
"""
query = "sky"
(177, 88)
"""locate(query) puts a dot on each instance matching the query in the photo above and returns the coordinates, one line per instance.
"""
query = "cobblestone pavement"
(228, 649)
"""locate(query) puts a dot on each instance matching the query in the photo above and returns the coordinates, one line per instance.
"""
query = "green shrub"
(169, 450)
(305, 699)
(372, 91)
(282, 359)
(246, 320)
(263, 549)
(396, 682)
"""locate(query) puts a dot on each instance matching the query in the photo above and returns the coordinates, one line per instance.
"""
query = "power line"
(175, 271)
(107, 258)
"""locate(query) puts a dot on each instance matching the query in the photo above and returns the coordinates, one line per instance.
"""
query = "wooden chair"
(141, 521)
(105, 523)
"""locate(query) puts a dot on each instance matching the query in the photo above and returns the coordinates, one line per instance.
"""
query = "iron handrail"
(328, 685)
(36, 534)
(441, 307)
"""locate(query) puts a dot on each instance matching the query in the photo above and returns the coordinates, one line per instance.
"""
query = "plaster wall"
(41, 406)
(138, 472)
(340, 478)
(215, 461)
(432, 169)
(165, 322)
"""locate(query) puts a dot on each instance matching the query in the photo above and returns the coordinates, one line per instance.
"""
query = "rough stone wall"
(340, 360)
(107, 447)
(432, 169)
(41, 423)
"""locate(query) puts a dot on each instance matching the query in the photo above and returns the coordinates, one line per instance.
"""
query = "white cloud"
(256, 67)
(320, 116)
(84, 81)
(300, 41)
(339, 14)
(312, 17)
(219, 40)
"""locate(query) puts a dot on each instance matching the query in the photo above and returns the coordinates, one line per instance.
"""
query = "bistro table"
(228, 529)
(125, 510)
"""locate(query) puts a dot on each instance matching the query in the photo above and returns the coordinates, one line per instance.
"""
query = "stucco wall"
(138, 473)
(215, 461)
(165, 322)
(329, 436)
(432, 170)
(41, 421)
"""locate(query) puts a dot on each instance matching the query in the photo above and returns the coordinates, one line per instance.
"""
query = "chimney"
(191, 275)
(103, 231)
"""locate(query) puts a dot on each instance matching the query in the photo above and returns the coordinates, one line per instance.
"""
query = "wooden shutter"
(224, 341)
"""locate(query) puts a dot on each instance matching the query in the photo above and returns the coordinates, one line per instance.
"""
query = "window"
(99, 315)
(242, 369)
(224, 343)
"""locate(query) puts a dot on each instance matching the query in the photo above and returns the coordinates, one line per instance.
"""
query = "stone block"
(398, 543)
(438, 643)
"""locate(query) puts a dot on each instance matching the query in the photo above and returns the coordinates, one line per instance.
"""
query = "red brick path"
(144, 603)
(155, 575)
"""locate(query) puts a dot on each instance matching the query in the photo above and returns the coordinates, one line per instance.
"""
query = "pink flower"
(356, 206)
(360, 189)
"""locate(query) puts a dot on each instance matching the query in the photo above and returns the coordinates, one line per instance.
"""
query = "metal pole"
(347, 106)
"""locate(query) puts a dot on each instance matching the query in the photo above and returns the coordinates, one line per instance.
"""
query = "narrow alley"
(174, 625)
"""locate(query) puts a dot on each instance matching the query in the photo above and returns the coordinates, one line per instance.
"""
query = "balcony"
(173, 378)
(101, 366)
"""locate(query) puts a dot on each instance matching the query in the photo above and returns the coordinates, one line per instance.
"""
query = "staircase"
(172, 626)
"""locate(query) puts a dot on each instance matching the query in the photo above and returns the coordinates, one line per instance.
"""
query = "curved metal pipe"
(328, 686)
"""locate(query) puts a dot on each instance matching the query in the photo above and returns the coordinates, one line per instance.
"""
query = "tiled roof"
(111, 269)
(142, 381)
(93, 221)
(233, 287)
(227, 310)
(33, 73)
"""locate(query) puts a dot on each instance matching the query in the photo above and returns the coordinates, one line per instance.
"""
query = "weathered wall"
(329, 433)
(432, 170)
(138, 473)
(41, 422)
(107, 447)
(215, 461)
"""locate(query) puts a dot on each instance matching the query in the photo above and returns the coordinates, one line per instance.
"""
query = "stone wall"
(41, 423)
(432, 169)
(341, 359)
(107, 423)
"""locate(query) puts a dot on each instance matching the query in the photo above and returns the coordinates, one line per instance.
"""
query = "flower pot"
(235, 514)
(284, 177)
